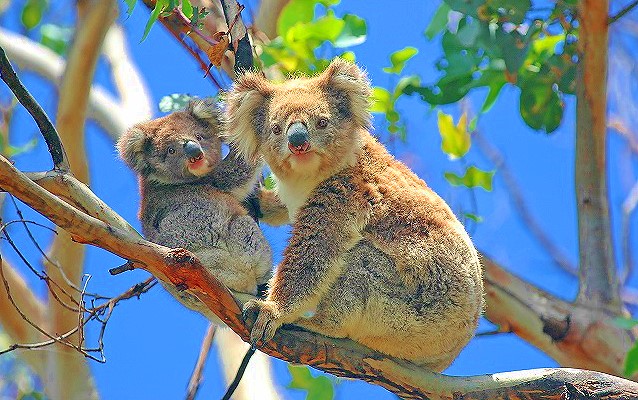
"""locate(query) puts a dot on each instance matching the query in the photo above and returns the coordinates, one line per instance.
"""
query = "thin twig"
(197, 376)
(240, 373)
(240, 41)
(51, 137)
(623, 12)
(520, 204)
(41, 275)
(628, 208)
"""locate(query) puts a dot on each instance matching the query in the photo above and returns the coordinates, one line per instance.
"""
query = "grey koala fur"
(191, 197)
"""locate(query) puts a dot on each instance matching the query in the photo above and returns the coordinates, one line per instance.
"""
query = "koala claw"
(267, 321)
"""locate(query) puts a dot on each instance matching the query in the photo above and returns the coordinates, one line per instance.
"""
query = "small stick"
(196, 377)
(239, 374)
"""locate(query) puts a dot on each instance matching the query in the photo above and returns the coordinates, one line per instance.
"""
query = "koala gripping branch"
(337, 356)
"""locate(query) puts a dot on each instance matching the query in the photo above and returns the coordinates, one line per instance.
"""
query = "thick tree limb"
(574, 335)
(32, 56)
(68, 376)
(597, 269)
(134, 95)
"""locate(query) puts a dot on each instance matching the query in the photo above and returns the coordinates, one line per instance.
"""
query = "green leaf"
(473, 177)
(399, 58)
(469, 7)
(269, 182)
(631, 361)
(317, 388)
(540, 106)
(381, 100)
(12, 151)
(56, 37)
(456, 139)
(187, 8)
(159, 7)
(353, 33)
(495, 88)
(130, 6)
(438, 22)
(32, 13)
(306, 36)
(296, 11)
(301, 377)
(510, 10)
(473, 217)
(174, 102)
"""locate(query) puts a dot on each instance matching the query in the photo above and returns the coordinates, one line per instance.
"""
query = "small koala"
(191, 197)
(375, 255)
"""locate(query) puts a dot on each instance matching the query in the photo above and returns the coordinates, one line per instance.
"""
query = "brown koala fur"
(375, 255)
(191, 198)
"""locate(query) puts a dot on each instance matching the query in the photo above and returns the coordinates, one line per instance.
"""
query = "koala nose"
(192, 149)
(297, 134)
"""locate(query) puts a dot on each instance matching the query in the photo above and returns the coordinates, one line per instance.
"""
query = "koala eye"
(276, 129)
(322, 123)
(198, 137)
(171, 150)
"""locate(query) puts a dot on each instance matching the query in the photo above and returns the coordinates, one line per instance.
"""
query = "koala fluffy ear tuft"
(245, 113)
(132, 146)
(204, 109)
(346, 81)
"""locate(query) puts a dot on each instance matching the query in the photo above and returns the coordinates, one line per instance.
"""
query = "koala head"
(180, 147)
(301, 125)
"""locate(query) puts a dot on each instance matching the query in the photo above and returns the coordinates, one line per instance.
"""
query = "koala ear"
(131, 146)
(246, 113)
(350, 87)
(205, 109)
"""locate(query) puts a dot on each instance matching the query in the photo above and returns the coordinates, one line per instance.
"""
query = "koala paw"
(267, 322)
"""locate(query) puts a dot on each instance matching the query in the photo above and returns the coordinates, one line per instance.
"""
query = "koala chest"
(293, 193)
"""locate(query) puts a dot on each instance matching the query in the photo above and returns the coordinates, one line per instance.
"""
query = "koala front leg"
(273, 211)
(325, 228)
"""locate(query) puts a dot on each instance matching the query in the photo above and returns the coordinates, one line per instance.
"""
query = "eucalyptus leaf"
(399, 58)
(473, 177)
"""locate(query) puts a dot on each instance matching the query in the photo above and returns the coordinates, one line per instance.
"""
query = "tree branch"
(35, 57)
(241, 42)
(196, 377)
(623, 12)
(135, 97)
(597, 269)
(514, 190)
(68, 376)
(51, 138)
(575, 335)
(338, 356)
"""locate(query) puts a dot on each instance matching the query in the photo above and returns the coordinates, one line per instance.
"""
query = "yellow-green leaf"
(456, 139)
(473, 177)
(399, 58)
(381, 101)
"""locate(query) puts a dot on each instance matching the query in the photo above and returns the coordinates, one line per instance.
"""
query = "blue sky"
(151, 344)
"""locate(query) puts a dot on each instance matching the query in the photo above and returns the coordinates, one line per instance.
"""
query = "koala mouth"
(298, 150)
(193, 160)
(199, 166)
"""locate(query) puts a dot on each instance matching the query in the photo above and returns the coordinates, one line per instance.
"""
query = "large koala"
(375, 255)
